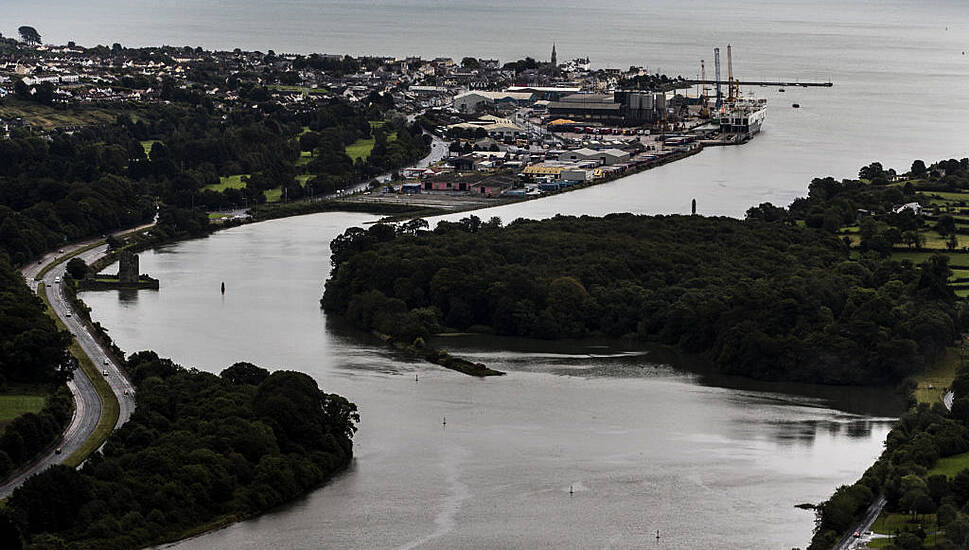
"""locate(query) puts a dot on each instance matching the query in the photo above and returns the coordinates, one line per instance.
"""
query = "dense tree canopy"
(766, 300)
(32, 349)
(198, 447)
(29, 34)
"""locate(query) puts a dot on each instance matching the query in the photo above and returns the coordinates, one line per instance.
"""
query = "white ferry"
(744, 117)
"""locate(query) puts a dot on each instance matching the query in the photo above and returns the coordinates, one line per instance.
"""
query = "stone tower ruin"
(128, 267)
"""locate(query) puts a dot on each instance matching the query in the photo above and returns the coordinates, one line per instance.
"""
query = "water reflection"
(628, 358)
(651, 440)
(127, 295)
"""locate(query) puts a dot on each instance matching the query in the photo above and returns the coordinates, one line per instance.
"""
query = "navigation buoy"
(445, 422)
(657, 534)
(223, 287)
(570, 489)
(415, 378)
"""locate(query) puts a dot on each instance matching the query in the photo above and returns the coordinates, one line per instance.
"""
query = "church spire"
(554, 61)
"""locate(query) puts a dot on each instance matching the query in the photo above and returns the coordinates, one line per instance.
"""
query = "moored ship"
(743, 117)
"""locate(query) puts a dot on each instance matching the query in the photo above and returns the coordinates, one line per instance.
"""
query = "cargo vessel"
(743, 117)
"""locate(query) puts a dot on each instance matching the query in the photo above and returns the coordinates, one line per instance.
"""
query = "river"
(642, 444)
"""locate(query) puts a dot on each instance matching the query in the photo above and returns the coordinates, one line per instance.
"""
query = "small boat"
(796, 105)
(780, 89)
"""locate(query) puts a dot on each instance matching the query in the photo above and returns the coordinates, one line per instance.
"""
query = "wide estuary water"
(644, 445)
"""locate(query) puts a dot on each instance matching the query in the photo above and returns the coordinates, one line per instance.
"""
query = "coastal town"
(504, 130)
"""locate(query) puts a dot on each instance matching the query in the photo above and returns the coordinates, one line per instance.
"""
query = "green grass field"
(146, 145)
(53, 117)
(920, 256)
(935, 241)
(888, 523)
(16, 404)
(273, 195)
(362, 147)
(304, 158)
(945, 195)
(951, 465)
(227, 182)
(286, 88)
(939, 376)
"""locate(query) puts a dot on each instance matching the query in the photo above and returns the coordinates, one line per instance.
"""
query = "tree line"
(904, 475)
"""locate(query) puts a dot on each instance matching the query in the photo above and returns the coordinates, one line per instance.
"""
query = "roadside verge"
(110, 409)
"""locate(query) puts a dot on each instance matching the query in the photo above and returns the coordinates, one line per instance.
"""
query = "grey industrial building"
(622, 107)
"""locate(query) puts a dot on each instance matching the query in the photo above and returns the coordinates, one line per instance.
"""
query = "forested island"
(768, 300)
(200, 451)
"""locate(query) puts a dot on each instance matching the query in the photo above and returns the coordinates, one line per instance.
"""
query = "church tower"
(554, 60)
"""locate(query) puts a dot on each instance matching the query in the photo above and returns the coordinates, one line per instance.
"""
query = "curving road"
(87, 402)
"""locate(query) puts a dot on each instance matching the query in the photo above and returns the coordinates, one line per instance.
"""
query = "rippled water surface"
(708, 461)
(643, 445)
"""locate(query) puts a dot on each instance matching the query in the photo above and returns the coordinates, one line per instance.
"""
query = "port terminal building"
(618, 108)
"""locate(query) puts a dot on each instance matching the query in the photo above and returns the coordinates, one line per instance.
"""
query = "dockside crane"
(716, 64)
(731, 83)
(704, 108)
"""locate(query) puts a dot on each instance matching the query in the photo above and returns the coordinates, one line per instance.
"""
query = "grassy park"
(227, 182)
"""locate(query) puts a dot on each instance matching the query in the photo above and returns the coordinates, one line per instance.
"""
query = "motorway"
(87, 402)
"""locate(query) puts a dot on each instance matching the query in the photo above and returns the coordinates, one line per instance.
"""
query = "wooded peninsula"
(764, 299)
(200, 451)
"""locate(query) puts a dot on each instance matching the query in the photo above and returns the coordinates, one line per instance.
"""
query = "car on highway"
(105, 372)
(68, 314)
(58, 451)
(105, 361)
(57, 279)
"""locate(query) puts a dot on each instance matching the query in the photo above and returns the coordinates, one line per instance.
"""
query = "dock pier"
(767, 83)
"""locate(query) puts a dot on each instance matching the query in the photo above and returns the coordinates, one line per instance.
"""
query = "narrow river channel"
(643, 445)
